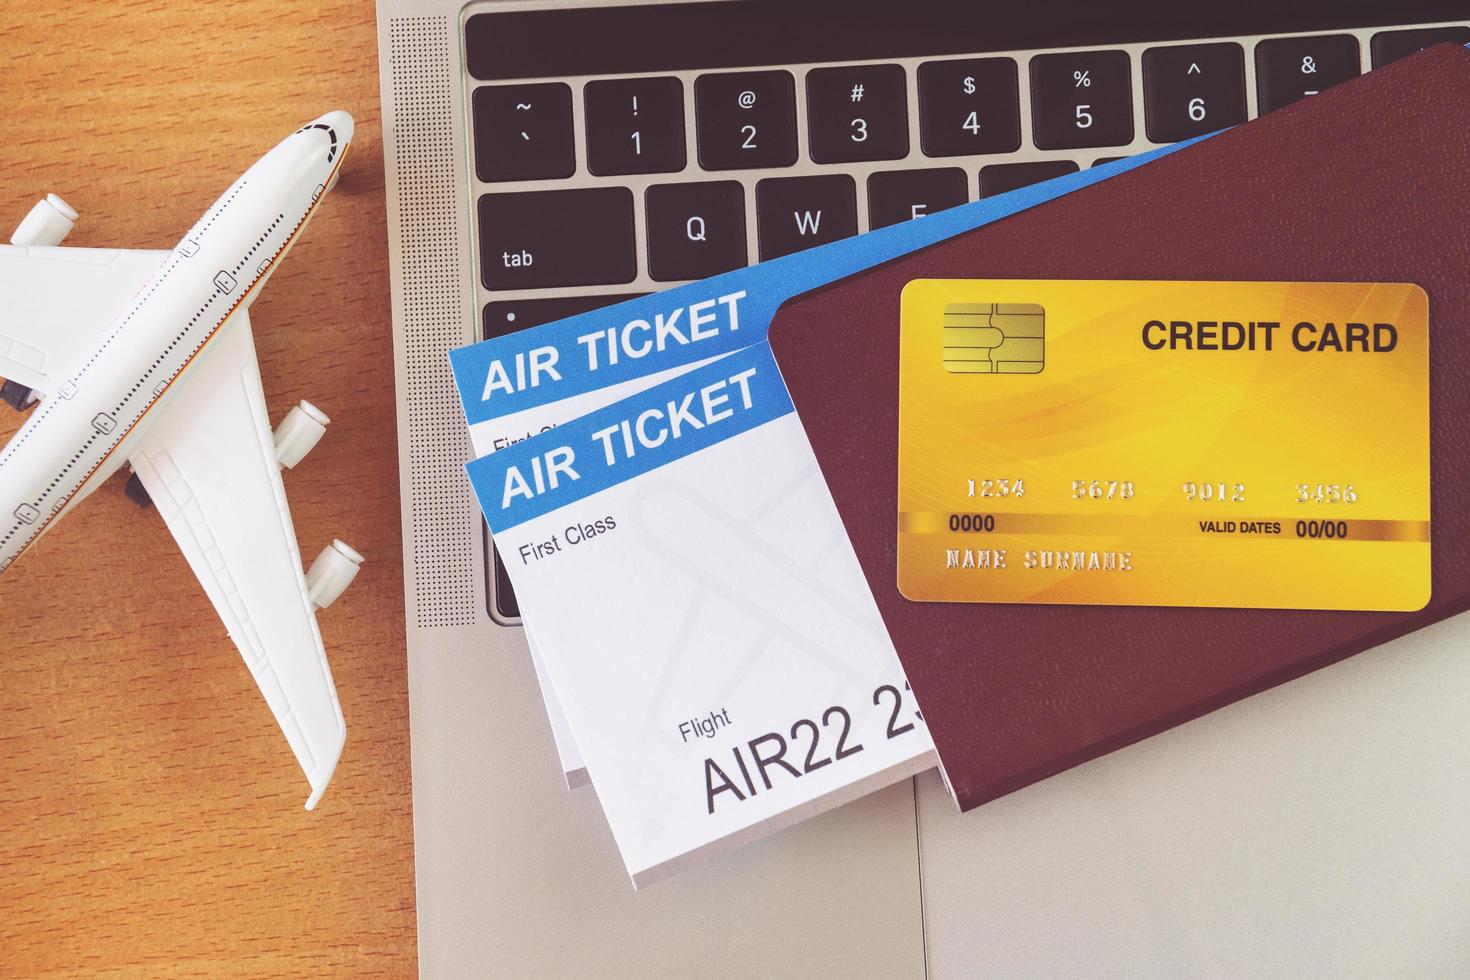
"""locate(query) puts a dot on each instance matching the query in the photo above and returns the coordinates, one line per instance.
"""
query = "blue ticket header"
(679, 326)
(628, 438)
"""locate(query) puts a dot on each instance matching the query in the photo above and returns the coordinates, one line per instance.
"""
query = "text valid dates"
(763, 763)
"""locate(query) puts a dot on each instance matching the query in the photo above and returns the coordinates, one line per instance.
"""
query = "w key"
(794, 213)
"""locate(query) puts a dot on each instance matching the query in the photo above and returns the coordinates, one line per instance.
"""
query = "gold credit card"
(1238, 444)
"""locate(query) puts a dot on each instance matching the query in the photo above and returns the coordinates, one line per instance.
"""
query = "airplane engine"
(299, 432)
(331, 573)
(48, 223)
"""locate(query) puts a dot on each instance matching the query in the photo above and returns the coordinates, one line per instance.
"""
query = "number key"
(635, 126)
(1390, 46)
(1292, 68)
(857, 113)
(1192, 89)
(969, 107)
(1082, 98)
(745, 119)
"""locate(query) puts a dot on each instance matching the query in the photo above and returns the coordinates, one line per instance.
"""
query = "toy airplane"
(146, 358)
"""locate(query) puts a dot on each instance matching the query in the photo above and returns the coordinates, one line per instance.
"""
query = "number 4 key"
(969, 107)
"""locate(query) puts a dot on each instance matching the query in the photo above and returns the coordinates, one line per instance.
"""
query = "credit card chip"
(994, 338)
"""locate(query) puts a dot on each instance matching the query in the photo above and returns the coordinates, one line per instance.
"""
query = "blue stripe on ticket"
(628, 438)
(689, 323)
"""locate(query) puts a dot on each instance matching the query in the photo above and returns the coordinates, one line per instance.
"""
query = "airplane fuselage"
(79, 434)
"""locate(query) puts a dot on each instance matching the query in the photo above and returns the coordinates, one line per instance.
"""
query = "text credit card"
(1229, 444)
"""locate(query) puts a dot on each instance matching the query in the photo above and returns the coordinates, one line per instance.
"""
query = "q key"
(695, 230)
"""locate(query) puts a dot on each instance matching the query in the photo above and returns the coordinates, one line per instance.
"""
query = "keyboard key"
(695, 230)
(635, 126)
(578, 237)
(1001, 177)
(523, 132)
(1292, 68)
(504, 604)
(745, 119)
(794, 213)
(1393, 45)
(969, 107)
(507, 316)
(1102, 160)
(1192, 89)
(857, 113)
(901, 195)
(1082, 98)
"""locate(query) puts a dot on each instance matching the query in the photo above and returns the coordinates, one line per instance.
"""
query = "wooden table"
(151, 815)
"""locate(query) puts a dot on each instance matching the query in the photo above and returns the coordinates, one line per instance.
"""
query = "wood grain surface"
(151, 818)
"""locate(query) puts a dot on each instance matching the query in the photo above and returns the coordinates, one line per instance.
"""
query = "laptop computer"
(548, 158)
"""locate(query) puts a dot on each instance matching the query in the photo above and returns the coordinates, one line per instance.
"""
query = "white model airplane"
(146, 358)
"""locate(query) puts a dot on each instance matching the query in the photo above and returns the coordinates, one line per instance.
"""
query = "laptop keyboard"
(592, 190)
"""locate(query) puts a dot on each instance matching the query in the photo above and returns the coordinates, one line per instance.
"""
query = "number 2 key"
(745, 119)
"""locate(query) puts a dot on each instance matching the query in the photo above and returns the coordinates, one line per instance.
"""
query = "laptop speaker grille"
(434, 317)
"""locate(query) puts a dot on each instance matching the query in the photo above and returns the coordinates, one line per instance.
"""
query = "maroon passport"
(1369, 181)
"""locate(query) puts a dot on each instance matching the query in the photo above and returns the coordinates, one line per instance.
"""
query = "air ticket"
(700, 613)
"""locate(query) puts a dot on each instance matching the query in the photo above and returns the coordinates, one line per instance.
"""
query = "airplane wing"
(209, 463)
(57, 300)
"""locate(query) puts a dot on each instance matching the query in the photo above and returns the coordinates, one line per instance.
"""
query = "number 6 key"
(1192, 89)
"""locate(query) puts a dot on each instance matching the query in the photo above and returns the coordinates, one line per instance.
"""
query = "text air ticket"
(1238, 444)
(698, 607)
